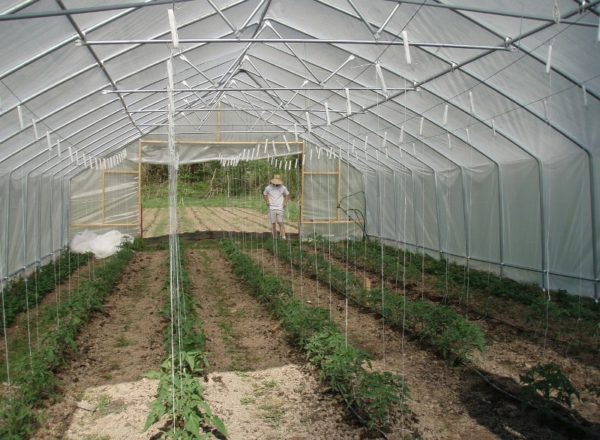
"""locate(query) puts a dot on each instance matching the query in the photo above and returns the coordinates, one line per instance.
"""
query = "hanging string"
(329, 219)
(469, 218)
(25, 277)
(300, 214)
(261, 178)
(396, 235)
(547, 237)
(275, 241)
(24, 198)
(173, 248)
(56, 288)
(312, 178)
(379, 206)
(422, 229)
(380, 198)
(402, 343)
(288, 179)
(37, 312)
(346, 304)
(7, 359)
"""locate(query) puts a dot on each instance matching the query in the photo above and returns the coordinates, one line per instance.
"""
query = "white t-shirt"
(276, 195)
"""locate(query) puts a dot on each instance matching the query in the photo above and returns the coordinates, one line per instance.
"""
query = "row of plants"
(543, 385)
(371, 396)
(452, 277)
(454, 338)
(35, 371)
(180, 391)
(21, 292)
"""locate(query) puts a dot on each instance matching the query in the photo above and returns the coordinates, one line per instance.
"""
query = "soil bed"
(447, 402)
(193, 219)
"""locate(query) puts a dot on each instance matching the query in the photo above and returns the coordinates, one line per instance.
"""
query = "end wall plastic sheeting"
(338, 209)
(115, 206)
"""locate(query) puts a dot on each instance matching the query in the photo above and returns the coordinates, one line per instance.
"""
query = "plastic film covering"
(333, 198)
(104, 200)
(32, 227)
(507, 178)
(156, 152)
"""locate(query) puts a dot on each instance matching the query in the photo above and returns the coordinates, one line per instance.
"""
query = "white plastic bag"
(102, 246)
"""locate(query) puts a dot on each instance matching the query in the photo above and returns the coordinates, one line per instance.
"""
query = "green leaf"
(219, 425)
(192, 422)
(157, 410)
(152, 375)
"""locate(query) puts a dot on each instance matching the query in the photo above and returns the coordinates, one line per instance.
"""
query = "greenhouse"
(300, 219)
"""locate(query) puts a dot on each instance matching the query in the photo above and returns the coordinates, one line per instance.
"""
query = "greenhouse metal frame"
(473, 126)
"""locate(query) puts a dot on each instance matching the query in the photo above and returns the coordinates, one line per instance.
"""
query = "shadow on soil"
(510, 419)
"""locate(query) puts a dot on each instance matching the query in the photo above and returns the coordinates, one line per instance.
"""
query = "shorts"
(275, 216)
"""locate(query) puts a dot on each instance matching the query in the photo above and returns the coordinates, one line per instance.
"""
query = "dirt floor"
(118, 346)
(448, 403)
(261, 386)
(193, 219)
(258, 384)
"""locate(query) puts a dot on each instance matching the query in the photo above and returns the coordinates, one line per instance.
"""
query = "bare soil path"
(449, 403)
(117, 346)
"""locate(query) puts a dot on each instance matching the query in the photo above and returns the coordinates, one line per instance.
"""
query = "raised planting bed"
(545, 396)
(180, 394)
(371, 396)
(25, 293)
(569, 317)
(34, 379)
(453, 337)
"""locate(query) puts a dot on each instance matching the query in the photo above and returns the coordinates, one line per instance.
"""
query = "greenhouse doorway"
(219, 193)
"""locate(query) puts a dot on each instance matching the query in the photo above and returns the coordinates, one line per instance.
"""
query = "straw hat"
(276, 180)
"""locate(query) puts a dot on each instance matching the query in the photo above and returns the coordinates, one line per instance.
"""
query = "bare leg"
(282, 229)
(274, 230)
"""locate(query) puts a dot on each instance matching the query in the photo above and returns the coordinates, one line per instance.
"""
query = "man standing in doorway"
(276, 196)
